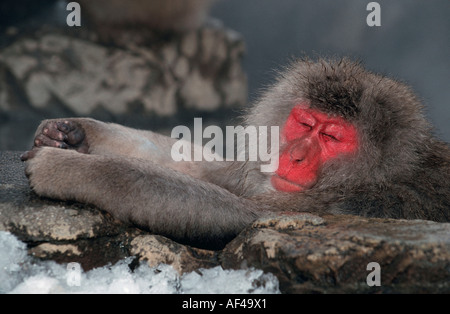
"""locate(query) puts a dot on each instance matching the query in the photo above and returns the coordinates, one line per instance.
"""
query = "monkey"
(160, 15)
(351, 142)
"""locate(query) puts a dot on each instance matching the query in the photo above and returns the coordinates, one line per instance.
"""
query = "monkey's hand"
(64, 134)
(46, 170)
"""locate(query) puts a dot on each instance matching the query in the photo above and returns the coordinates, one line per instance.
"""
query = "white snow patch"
(20, 273)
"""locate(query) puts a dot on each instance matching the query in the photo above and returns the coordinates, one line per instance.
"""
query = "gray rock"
(134, 77)
(330, 254)
(157, 249)
(84, 75)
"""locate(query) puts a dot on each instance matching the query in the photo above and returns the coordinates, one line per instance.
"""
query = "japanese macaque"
(351, 142)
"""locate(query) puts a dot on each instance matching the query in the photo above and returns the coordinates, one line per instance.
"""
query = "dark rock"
(330, 254)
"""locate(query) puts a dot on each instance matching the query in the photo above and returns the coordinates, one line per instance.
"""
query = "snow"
(20, 273)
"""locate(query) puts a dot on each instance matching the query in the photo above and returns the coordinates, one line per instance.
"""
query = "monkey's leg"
(90, 136)
(134, 190)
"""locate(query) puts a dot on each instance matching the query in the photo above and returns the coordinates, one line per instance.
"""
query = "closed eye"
(329, 137)
(306, 125)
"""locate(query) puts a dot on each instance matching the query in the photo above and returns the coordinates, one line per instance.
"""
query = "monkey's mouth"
(282, 184)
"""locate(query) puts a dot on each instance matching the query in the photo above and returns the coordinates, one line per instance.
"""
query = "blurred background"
(154, 64)
(412, 44)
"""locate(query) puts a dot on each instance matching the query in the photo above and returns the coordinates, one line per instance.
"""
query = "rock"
(189, 44)
(200, 93)
(162, 15)
(136, 77)
(330, 254)
(84, 74)
(307, 253)
(157, 249)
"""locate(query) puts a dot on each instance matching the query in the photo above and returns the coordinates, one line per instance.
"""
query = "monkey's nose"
(297, 154)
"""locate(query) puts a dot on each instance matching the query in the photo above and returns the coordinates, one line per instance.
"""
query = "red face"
(309, 139)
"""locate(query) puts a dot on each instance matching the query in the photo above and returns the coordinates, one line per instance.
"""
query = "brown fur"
(401, 170)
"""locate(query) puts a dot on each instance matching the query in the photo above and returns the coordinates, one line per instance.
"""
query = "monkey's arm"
(133, 190)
